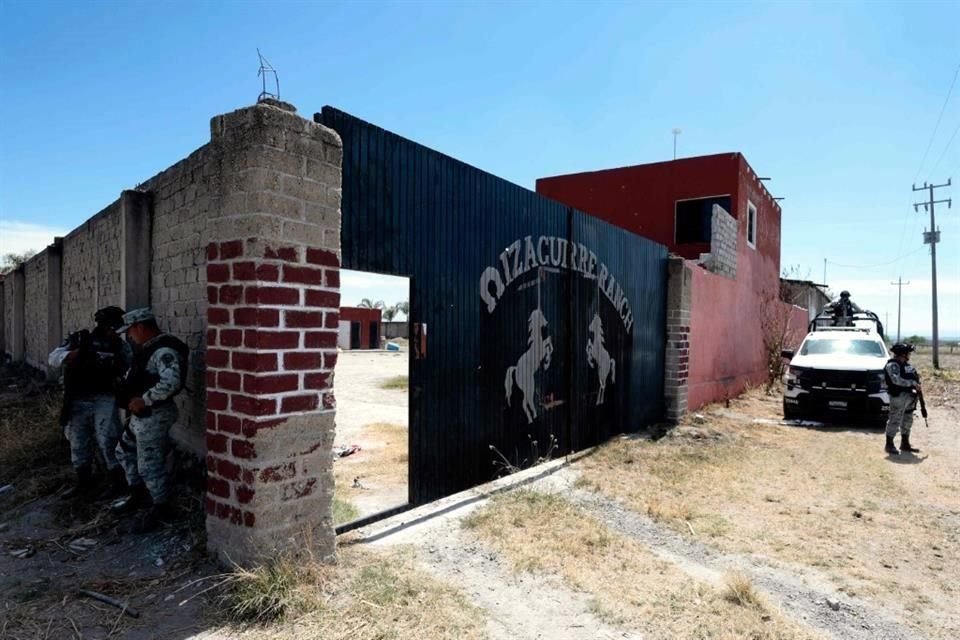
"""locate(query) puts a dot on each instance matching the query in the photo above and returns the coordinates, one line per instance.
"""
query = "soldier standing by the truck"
(156, 375)
(903, 384)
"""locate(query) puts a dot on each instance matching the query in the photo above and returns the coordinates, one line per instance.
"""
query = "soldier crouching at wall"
(156, 375)
(93, 362)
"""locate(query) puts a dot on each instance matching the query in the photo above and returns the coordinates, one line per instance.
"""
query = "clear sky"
(836, 102)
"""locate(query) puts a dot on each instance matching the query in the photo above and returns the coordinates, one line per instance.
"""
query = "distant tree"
(916, 340)
(389, 313)
(367, 303)
(403, 307)
(11, 261)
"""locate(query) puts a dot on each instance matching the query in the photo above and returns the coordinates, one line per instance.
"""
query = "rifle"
(923, 407)
(76, 341)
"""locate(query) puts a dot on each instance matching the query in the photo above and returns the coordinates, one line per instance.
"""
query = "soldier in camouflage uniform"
(93, 362)
(156, 375)
(903, 383)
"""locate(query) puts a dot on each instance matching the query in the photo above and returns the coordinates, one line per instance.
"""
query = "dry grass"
(369, 595)
(628, 586)
(344, 511)
(826, 498)
(401, 383)
(34, 456)
(383, 461)
(739, 590)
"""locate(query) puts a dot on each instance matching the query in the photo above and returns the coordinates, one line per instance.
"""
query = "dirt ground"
(376, 419)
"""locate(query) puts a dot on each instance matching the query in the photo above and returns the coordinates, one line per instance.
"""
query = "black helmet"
(901, 348)
(844, 294)
(109, 317)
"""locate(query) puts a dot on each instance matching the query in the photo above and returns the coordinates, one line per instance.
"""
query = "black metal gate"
(544, 326)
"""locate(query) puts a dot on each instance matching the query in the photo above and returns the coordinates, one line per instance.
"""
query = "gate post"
(677, 368)
(273, 286)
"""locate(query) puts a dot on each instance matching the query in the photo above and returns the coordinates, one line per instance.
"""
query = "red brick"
(331, 320)
(223, 511)
(325, 299)
(229, 380)
(218, 315)
(297, 490)
(212, 295)
(216, 443)
(249, 518)
(279, 473)
(244, 271)
(228, 470)
(332, 278)
(228, 424)
(246, 361)
(271, 339)
(322, 256)
(218, 487)
(212, 463)
(243, 449)
(251, 427)
(236, 516)
(231, 294)
(212, 251)
(252, 406)
(302, 360)
(316, 381)
(330, 360)
(256, 317)
(329, 401)
(210, 506)
(271, 384)
(274, 295)
(211, 337)
(289, 254)
(217, 358)
(211, 421)
(211, 379)
(298, 319)
(291, 404)
(244, 494)
(320, 339)
(218, 273)
(231, 337)
(268, 273)
(231, 249)
(305, 275)
(216, 401)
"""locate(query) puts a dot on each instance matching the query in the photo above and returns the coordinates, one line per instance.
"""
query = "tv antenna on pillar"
(265, 68)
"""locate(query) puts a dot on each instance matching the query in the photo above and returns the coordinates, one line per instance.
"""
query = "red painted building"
(673, 203)
(359, 328)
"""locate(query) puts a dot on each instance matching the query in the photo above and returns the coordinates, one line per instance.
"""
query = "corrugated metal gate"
(543, 324)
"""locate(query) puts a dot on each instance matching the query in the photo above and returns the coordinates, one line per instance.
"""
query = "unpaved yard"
(376, 419)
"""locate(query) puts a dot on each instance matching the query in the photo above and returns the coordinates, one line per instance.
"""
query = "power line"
(945, 149)
(937, 126)
(932, 238)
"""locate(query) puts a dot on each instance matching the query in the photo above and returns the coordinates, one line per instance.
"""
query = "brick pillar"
(54, 294)
(274, 297)
(18, 279)
(677, 369)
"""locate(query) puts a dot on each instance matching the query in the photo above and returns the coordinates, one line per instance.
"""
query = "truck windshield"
(851, 347)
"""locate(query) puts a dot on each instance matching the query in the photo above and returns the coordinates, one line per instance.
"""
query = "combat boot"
(138, 497)
(891, 448)
(82, 487)
(905, 444)
(116, 484)
(151, 518)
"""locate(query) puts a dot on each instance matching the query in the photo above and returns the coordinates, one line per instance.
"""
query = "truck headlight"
(792, 376)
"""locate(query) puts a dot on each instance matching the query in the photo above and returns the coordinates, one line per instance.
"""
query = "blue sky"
(835, 102)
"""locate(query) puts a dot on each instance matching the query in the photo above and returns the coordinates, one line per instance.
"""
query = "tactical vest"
(97, 368)
(894, 389)
(138, 380)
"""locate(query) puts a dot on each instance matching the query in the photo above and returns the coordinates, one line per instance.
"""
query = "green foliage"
(11, 261)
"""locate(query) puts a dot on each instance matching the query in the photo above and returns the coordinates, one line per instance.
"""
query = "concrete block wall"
(273, 288)
(677, 356)
(35, 311)
(723, 243)
(91, 269)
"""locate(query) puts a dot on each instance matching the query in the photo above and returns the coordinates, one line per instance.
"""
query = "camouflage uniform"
(903, 401)
(143, 447)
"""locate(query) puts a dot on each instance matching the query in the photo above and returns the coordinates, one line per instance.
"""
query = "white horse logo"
(539, 350)
(596, 354)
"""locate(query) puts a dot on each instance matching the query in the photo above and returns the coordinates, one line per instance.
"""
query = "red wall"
(364, 316)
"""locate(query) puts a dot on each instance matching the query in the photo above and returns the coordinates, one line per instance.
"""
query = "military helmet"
(109, 317)
(844, 294)
(901, 348)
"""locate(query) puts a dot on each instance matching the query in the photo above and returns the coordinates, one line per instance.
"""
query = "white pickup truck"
(837, 373)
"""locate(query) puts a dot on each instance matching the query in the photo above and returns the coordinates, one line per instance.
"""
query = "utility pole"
(932, 237)
(677, 131)
(899, 284)
(824, 272)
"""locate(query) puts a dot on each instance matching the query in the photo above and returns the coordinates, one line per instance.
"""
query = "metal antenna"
(265, 68)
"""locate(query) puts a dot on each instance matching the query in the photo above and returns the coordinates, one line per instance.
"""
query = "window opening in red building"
(751, 224)
(694, 218)
(371, 459)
